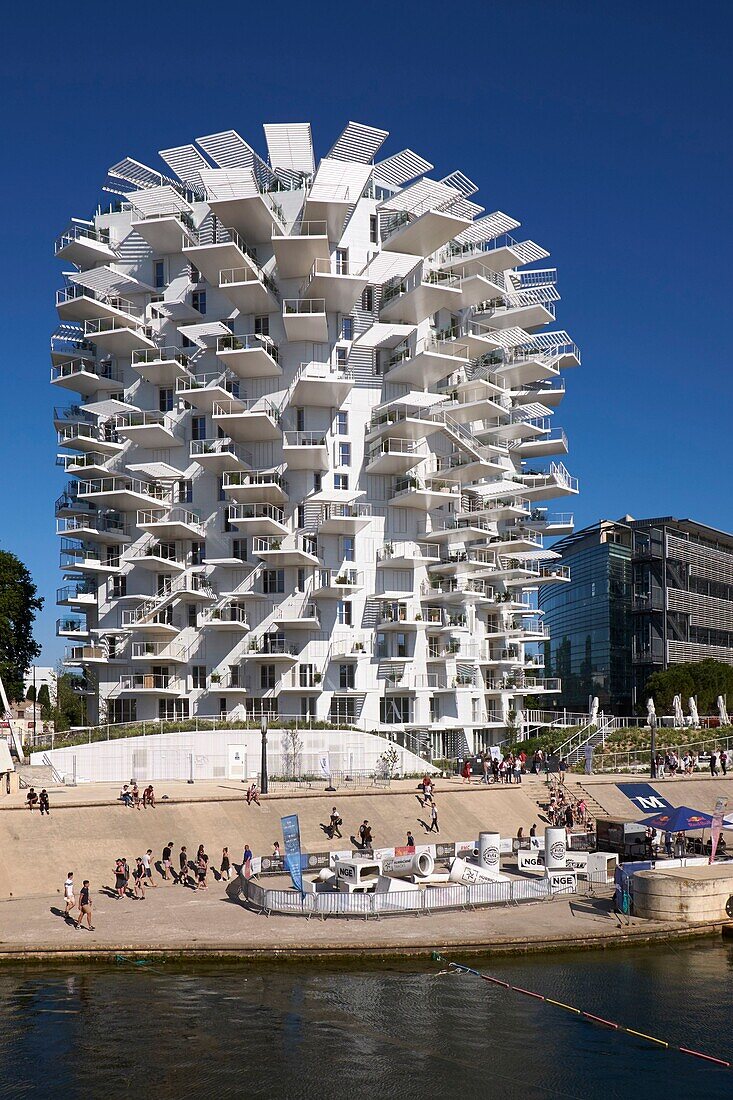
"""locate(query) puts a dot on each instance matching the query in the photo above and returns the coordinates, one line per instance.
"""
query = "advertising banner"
(644, 797)
(717, 828)
(291, 841)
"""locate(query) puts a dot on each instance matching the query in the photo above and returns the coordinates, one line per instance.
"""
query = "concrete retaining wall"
(694, 894)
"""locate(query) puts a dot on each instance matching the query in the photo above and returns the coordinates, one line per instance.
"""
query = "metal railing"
(74, 367)
(77, 232)
(304, 439)
(251, 341)
(304, 306)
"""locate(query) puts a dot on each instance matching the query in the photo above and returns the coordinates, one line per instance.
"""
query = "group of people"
(190, 872)
(33, 800)
(130, 796)
(564, 811)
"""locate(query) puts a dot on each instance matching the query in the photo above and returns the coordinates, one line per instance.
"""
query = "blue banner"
(291, 841)
(644, 797)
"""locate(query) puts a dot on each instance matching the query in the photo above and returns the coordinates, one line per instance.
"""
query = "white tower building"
(311, 411)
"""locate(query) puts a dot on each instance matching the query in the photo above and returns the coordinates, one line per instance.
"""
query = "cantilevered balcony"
(305, 320)
(226, 250)
(523, 309)
(166, 231)
(479, 283)
(153, 430)
(273, 648)
(118, 336)
(170, 523)
(82, 436)
(156, 623)
(293, 550)
(550, 523)
(395, 456)
(485, 506)
(237, 199)
(251, 420)
(79, 303)
(82, 593)
(203, 391)
(219, 455)
(249, 356)
(470, 560)
(297, 251)
(529, 365)
(449, 529)
(161, 366)
(458, 590)
(233, 681)
(85, 463)
(125, 494)
(87, 377)
(320, 385)
(332, 280)
(474, 401)
(511, 428)
(258, 519)
(300, 615)
(83, 245)
(161, 557)
(73, 626)
(505, 252)
(421, 231)
(546, 484)
(424, 493)
(404, 418)
(467, 468)
(305, 450)
(109, 527)
(399, 615)
(151, 683)
(160, 652)
(399, 555)
(427, 363)
(226, 616)
(419, 295)
(549, 392)
(337, 583)
(553, 442)
(268, 486)
(249, 288)
(79, 655)
(85, 558)
(344, 519)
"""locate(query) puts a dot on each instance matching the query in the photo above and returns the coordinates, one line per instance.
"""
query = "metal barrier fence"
(419, 902)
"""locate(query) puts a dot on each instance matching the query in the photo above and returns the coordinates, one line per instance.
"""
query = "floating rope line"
(462, 968)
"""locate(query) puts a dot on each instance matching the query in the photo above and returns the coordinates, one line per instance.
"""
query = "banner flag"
(324, 763)
(291, 842)
(717, 828)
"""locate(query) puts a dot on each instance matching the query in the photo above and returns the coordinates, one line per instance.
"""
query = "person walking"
(433, 819)
(183, 866)
(723, 768)
(410, 842)
(335, 825)
(713, 762)
(147, 864)
(202, 867)
(365, 835)
(45, 809)
(247, 861)
(562, 768)
(225, 866)
(85, 906)
(517, 769)
(486, 766)
(139, 876)
(166, 861)
(466, 772)
(69, 895)
(276, 853)
(119, 879)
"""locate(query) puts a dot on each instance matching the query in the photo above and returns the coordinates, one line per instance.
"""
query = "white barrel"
(555, 849)
(489, 852)
(419, 864)
(468, 874)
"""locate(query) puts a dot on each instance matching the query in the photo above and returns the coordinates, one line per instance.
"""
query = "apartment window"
(342, 423)
(308, 709)
(400, 646)
(198, 676)
(165, 399)
(239, 549)
(344, 613)
(433, 645)
(273, 581)
(394, 711)
(434, 707)
(348, 548)
(184, 491)
(191, 614)
(343, 709)
(198, 427)
(256, 708)
(340, 481)
(373, 229)
(344, 454)
(341, 357)
(198, 553)
(163, 583)
(367, 299)
(300, 516)
(301, 580)
(185, 342)
(267, 677)
(172, 709)
(347, 328)
(198, 301)
(117, 588)
(159, 274)
(114, 645)
(227, 527)
(306, 675)
(118, 396)
(121, 710)
(346, 677)
(262, 325)
(317, 482)
(342, 261)
(300, 420)
(194, 275)
(112, 557)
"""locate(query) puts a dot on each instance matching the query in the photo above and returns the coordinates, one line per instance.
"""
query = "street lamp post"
(263, 763)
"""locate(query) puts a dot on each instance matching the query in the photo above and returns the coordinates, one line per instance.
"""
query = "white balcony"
(251, 420)
(84, 246)
(249, 356)
(229, 250)
(269, 487)
(479, 283)
(232, 682)
(109, 528)
(450, 529)
(305, 450)
(422, 231)
(467, 468)
(85, 560)
(249, 289)
(258, 519)
(337, 583)
(72, 628)
(332, 280)
(395, 456)
(523, 367)
(320, 385)
(158, 557)
(304, 679)
(227, 616)
(81, 436)
(552, 523)
(150, 683)
(546, 484)
(291, 551)
(458, 590)
(297, 251)
(77, 655)
(526, 309)
(86, 377)
(430, 361)
(303, 616)
(161, 366)
(203, 391)
(405, 418)
(472, 560)
(550, 392)
(419, 295)
(472, 402)
(170, 524)
(305, 320)
(85, 464)
(143, 622)
(219, 455)
(399, 615)
(397, 555)
(160, 652)
(424, 494)
(79, 303)
(82, 593)
(272, 650)
(234, 196)
(505, 252)
(153, 430)
(344, 519)
(479, 511)
(125, 494)
(553, 442)
(119, 337)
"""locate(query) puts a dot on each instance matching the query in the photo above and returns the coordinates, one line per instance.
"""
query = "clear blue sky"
(604, 128)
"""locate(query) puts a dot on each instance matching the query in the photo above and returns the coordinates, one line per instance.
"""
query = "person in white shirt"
(69, 895)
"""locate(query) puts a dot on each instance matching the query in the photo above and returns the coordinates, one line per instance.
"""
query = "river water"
(405, 1031)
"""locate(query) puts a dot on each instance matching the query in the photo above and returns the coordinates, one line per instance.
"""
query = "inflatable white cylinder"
(468, 874)
(419, 864)
(555, 849)
(489, 851)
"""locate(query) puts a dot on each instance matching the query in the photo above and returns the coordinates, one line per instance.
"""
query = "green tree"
(705, 680)
(44, 701)
(69, 709)
(18, 607)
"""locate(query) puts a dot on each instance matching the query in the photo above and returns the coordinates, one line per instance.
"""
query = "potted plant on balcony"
(215, 677)
(358, 647)
(317, 677)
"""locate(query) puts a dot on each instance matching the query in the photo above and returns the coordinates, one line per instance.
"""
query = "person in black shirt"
(85, 906)
(365, 835)
(43, 803)
(183, 864)
(166, 859)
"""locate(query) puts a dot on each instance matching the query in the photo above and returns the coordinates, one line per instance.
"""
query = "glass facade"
(589, 621)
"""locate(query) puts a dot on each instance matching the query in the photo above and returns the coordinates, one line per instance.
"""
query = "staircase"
(592, 734)
(458, 434)
(38, 776)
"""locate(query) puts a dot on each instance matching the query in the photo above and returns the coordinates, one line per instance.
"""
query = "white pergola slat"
(358, 143)
(506, 338)
(228, 149)
(187, 162)
(424, 195)
(132, 171)
(464, 208)
(397, 170)
(207, 331)
(175, 311)
(388, 265)
(221, 184)
(158, 200)
(339, 181)
(290, 146)
(488, 228)
(461, 182)
(383, 335)
(547, 341)
(533, 411)
(105, 280)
